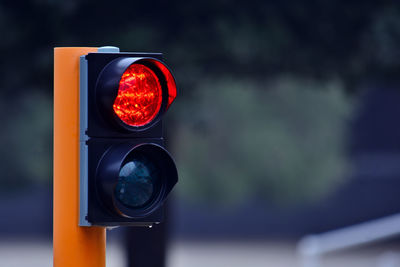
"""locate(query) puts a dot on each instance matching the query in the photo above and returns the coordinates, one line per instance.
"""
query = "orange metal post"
(72, 245)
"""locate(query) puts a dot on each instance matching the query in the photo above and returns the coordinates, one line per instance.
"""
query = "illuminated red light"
(139, 96)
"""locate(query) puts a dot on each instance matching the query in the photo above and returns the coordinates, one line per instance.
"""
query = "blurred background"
(285, 126)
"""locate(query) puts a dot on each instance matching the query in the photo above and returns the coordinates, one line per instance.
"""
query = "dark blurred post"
(146, 247)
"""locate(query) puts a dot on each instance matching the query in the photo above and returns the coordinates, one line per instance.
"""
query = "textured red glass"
(139, 96)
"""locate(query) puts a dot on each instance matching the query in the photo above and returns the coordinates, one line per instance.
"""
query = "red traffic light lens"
(139, 96)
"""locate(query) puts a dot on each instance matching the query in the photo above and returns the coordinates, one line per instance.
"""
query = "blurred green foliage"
(261, 100)
(27, 140)
(282, 139)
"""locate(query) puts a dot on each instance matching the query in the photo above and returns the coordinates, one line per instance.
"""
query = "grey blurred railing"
(312, 247)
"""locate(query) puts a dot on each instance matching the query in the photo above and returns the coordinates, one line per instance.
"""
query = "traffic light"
(126, 173)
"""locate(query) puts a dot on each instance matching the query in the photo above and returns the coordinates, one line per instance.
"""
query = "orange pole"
(72, 245)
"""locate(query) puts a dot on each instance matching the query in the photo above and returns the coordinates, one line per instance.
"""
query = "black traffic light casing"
(107, 142)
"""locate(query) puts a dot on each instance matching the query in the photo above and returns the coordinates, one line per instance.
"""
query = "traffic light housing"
(126, 173)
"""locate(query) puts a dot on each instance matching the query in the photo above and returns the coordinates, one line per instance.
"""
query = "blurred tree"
(27, 140)
(282, 140)
(349, 41)
(319, 38)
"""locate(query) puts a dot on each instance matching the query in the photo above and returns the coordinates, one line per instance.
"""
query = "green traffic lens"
(138, 182)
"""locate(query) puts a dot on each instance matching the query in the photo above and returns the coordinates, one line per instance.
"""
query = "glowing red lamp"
(139, 96)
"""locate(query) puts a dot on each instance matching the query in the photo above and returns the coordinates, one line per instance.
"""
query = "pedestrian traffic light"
(126, 173)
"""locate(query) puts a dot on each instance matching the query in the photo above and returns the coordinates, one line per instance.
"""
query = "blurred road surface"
(200, 254)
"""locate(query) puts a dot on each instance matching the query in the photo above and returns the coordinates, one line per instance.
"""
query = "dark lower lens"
(138, 182)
